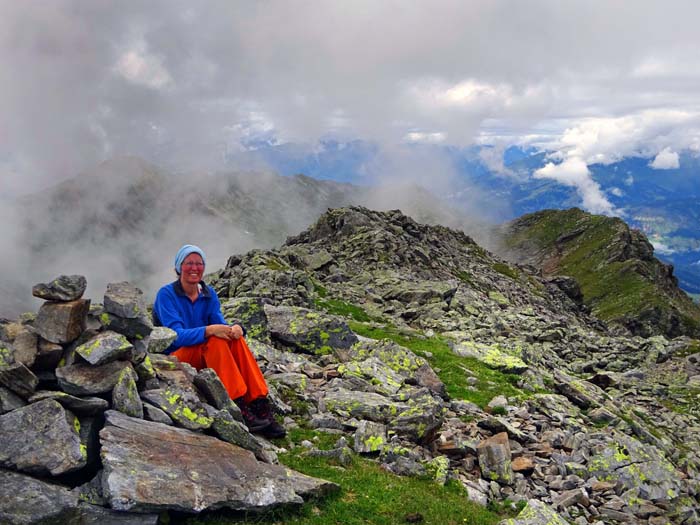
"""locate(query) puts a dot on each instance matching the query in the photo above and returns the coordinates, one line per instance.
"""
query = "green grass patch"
(454, 370)
(506, 270)
(275, 265)
(465, 277)
(343, 309)
(369, 495)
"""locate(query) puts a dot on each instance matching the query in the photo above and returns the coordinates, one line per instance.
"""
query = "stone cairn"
(98, 426)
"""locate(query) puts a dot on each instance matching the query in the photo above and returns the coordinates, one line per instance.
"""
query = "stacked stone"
(88, 400)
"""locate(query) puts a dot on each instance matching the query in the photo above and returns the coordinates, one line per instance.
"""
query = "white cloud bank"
(666, 160)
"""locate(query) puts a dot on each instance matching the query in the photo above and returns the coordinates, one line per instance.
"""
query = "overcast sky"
(185, 83)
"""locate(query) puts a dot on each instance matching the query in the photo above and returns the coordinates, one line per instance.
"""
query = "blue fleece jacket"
(174, 309)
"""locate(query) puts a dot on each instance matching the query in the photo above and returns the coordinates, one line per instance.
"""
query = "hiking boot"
(250, 418)
(262, 408)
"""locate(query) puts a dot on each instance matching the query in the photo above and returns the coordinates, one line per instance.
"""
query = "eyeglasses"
(190, 264)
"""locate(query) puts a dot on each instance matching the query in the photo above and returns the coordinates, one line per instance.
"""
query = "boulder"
(182, 406)
(41, 438)
(9, 400)
(370, 437)
(48, 355)
(26, 347)
(62, 322)
(308, 331)
(160, 339)
(19, 379)
(493, 356)
(248, 312)
(80, 406)
(63, 288)
(140, 475)
(536, 513)
(131, 327)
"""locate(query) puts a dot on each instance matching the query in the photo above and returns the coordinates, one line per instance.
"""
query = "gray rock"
(63, 288)
(87, 380)
(9, 400)
(249, 312)
(183, 407)
(139, 474)
(105, 347)
(155, 414)
(492, 355)
(308, 331)
(28, 501)
(95, 515)
(362, 405)
(19, 379)
(383, 377)
(536, 513)
(144, 369)
(81, 406)
(370, 437)
(62, 322)
(25, 345)
(581, 393)
(125, 300)
(494, 459)
(7, 354)
(209, 384)
(160, 339)
(236, 433)
(132, 328)
(38, 439)
(48, 355)
(125, 395)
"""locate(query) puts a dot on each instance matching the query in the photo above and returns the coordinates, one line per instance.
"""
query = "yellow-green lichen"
(374, 443)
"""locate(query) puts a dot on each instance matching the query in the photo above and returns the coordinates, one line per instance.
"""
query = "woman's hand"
(224, 331)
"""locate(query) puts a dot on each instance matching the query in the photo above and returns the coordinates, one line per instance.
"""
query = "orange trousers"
(233, 362)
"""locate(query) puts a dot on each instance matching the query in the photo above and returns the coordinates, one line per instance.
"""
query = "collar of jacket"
(203, 288)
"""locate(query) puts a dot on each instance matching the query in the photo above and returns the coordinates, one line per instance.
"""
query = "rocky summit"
(410, 343)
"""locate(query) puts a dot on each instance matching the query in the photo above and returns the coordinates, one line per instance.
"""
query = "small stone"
(523, 464)
(152, 413)
(494, 459)
(62, 322)
(63, 288)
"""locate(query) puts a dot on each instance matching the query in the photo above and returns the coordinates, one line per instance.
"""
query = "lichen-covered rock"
(308, 331)
(105, 347)
(370, 437)
(362, 405)
(183, 407)
(139, 474)
(7, 353)
(81, 406)
(38, 439)
(83, 379)
(160, 339)
(125, 300)
(581, 393)
(234, 432)
(155, 414)
(125, 395)
(209, 384)
(28, 501)
(493, 356)
(62, 322)
(132, 328)
(420, 419)
(248, 312)
(494, 459)
(19, 379)
(62, 288)
(536, 513)
(640, 468)
(385, 380)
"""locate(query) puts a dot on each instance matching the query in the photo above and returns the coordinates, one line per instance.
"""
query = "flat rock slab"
(62, 322)
(39, 439)
(86, 380)
(62, 288)
(28, 501)
(149, 467)
(105, 347)
(81, 406)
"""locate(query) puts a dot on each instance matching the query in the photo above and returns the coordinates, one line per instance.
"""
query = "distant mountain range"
(664, 204)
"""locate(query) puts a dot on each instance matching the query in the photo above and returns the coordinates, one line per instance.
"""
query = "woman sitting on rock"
(204, 340)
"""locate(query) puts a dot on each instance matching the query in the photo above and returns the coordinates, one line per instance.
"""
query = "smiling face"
(192, 269)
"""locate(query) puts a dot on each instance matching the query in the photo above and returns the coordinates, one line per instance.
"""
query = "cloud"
(144, 69)
(573, 171)
(665, 160)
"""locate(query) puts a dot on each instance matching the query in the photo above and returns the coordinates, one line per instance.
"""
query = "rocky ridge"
(621, 280)
(593, 427)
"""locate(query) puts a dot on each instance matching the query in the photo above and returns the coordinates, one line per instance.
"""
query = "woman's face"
(192, 269)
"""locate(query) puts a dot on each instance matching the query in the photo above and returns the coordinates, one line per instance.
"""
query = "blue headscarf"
(184, 252)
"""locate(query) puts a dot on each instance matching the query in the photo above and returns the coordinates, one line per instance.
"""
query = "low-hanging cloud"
(666, 160)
